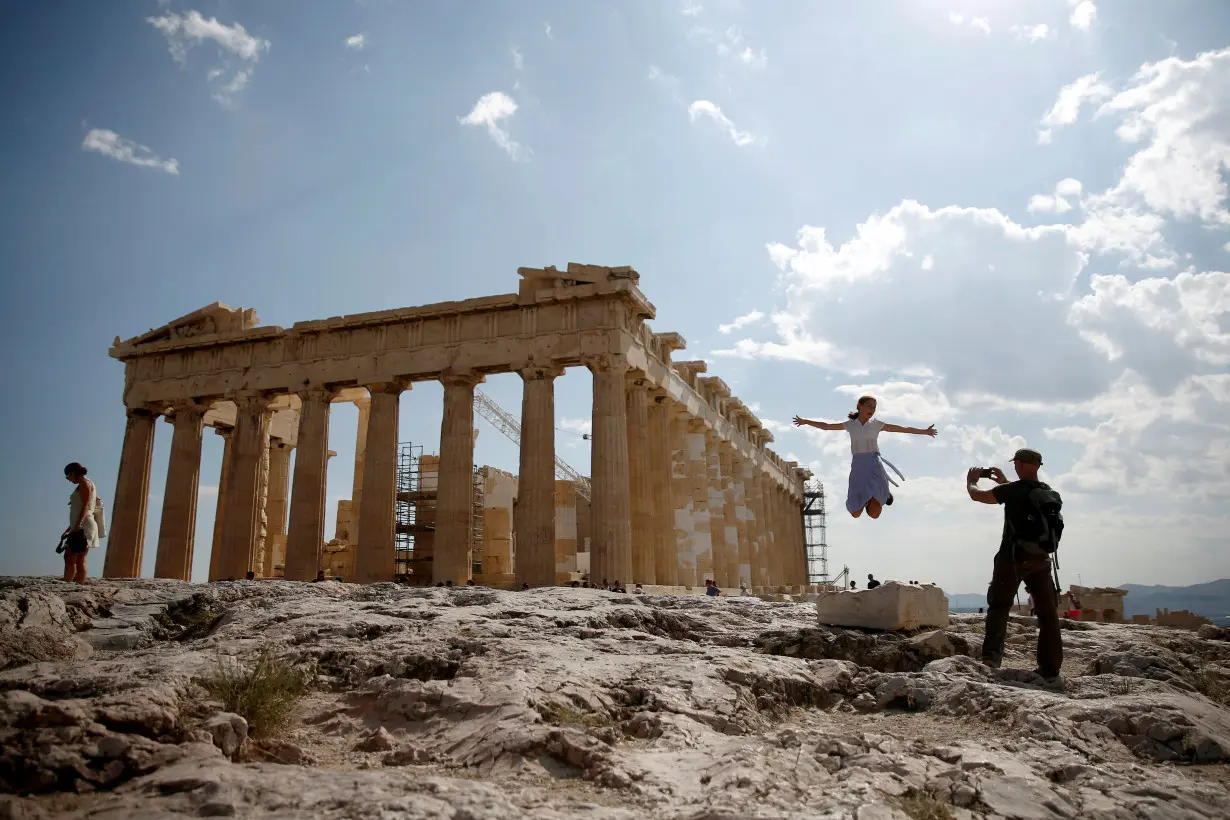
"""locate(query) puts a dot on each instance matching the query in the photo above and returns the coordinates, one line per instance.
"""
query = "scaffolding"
(416, 510)
(478, 498)
(814, 535)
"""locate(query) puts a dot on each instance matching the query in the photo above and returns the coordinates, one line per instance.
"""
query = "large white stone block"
(890, 606)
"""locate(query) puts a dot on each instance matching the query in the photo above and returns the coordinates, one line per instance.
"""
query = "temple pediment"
(210, 320)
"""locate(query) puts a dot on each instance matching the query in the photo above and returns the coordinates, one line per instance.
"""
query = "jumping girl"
(868, 479)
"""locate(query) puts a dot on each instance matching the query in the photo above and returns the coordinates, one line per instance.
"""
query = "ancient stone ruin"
(684, 487)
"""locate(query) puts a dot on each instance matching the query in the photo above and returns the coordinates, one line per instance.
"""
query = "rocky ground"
(566, 703)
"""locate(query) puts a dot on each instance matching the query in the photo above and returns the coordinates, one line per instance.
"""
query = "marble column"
(717, 510)
(374, 555)
(177, 531)
(756, 524)
(728, 572)
(743, 515)
(683, 556)
(260, 549)
(241, 516)
(698, 485)
(452, 560)
(660, 488)
(611, 542)
(640, 492)
(276, 507)
(216, 568)
(778, 567)
(305, 536)
(126, 539)
(534, 522)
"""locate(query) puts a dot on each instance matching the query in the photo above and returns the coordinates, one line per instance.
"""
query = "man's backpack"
(1038, 524)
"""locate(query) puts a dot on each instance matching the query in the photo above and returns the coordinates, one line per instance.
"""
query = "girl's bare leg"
(69, 569)
(874, 508)
(79, 561)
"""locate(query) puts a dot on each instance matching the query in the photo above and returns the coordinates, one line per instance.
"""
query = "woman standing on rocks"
(868, 480)
(82, 532)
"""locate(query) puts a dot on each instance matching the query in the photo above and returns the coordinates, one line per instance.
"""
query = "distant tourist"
(711, 589)
(251, 576)
(524, 585)
(872, 583)
(638, 590)
(320, 576)
(868, 488)
(1023, 556)
(854, 585)
(470, 582)
(743, 590)
(448, 583)
(82, 533)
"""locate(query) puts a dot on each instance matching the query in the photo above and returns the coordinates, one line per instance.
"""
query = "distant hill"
(1212, 600)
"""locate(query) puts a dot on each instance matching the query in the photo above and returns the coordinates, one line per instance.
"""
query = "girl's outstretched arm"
(917, 431)
(823, 425)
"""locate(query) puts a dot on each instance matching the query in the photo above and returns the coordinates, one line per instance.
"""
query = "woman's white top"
(76, 502)
(864, 438)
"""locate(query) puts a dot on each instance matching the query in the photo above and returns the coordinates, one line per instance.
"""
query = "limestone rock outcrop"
(556, 703)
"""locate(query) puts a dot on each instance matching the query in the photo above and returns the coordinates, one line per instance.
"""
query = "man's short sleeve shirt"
(1014, 496)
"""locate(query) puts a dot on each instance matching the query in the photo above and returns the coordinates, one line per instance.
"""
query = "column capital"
(319, 393)
(535, 372)
(604, 362)
(461, 378)
(250, 400)
(698, 425)
(140, 412)
(636, 378)
(187, 407)
(393, 387)
(223, 431)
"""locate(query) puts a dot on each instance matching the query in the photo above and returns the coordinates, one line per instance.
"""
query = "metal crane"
(507, 424)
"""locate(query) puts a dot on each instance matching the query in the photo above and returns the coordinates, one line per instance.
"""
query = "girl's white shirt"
(864, 438)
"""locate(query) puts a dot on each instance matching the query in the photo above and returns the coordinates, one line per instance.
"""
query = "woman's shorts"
(76, 543)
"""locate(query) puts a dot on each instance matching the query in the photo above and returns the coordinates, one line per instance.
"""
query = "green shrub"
(921, 806)
(264, 694)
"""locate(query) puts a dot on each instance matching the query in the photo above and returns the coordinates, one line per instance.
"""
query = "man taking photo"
(1032, 527)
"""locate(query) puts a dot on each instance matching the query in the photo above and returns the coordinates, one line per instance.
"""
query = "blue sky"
(1008, 219)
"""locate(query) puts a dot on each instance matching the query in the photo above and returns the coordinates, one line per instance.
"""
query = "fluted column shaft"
(717, 510)
(374, 557)
(276, 506)
(534, 522)
(177, 531)
(660, 489)
(455, 490)
(778, 568)
(644, 569)
(126, 541)
(611, 541)
(698, 477)
(682, 565)
(241, 516)
(759, 521)
(743, 515)
(305, 535)
(728, 571)
(216, 564)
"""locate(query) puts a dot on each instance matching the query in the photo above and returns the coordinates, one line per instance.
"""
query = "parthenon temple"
(683, 487)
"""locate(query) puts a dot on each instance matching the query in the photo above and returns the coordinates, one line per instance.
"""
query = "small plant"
(567, 716)
(1209, 683)
(921, 806)
(264, 694)
(1124, 686)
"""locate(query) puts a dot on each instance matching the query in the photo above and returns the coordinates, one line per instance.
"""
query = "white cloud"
(690, 8)
(575, 425)
(1067, 107)
(357, 42)
(1181, 111)
(909, 404)
(754, 59)
(731, 43)
(1034, 33)
(546, 27)
(980, 24)
(488, 111)
(184, 32)
(110, 144)
(518, 60)
(704, 108)
(1056, 203)
(741, 321)
(1084, 12)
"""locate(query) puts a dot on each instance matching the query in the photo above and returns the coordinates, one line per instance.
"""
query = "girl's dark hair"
(75, 469)
(861, 399)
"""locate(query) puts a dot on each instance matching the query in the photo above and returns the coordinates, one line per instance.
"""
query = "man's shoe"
(1051, 681)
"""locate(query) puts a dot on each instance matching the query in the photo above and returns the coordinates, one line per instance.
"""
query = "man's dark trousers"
(1035, 571)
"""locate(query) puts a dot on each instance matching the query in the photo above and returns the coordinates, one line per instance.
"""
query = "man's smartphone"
(985, 472)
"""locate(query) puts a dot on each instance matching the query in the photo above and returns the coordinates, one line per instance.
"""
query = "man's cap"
(1028, 456)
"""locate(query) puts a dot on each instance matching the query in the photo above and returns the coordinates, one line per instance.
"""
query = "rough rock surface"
(475, 703)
